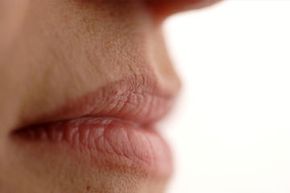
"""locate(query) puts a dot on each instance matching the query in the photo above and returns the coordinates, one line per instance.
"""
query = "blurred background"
(231, 127)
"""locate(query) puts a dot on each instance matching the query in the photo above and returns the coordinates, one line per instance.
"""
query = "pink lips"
(113, 126)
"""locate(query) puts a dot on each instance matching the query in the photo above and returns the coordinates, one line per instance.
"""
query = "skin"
(52, 51)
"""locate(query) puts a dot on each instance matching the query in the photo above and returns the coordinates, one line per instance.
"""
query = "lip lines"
(137, 99)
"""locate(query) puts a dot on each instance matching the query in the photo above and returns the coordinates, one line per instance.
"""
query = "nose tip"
(165, 8)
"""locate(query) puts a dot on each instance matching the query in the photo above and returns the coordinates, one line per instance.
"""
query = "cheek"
(12, 14)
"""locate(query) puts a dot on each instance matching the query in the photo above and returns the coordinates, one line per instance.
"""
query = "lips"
(112, 126)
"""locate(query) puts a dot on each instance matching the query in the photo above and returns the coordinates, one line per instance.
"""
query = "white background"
(231, 128)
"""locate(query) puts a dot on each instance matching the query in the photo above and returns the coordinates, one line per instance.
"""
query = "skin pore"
(58, 50)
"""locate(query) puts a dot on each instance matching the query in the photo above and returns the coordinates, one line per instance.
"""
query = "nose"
(165, 8)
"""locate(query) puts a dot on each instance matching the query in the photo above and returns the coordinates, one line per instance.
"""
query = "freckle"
(88, 188)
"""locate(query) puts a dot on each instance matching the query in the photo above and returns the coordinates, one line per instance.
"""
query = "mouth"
(114, 127)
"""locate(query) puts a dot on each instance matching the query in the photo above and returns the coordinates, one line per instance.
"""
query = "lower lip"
(108, 142)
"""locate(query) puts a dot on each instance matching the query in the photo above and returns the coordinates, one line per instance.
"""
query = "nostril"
(165, 8)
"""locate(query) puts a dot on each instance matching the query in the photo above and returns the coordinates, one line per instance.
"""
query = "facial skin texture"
(57, 50)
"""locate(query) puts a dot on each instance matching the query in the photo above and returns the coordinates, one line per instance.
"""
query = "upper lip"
(139, 99)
